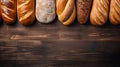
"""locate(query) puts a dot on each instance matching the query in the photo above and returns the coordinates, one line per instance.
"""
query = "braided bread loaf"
(99, 13)
(66, 11)
(8, 10)
(25, 11)
(83, 10)
(45, 10)
(114, 15)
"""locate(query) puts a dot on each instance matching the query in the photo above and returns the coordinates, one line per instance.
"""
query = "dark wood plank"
(3, 32)
(57, 31)
(66, 53)
(55, 45)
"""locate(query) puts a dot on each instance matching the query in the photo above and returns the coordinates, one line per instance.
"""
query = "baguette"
(25, 11)
(66, 11)
(114, 15)
(99, 13)
(8, 10)
(83, 10)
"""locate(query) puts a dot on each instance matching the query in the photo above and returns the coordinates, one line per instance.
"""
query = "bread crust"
(114, 15)
(66, 11)
(99, 12)
(45, 11)
(8, 10)
(83, 10)
(25, 11)
(0, 15)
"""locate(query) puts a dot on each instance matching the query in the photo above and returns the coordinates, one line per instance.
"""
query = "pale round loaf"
(45, 10)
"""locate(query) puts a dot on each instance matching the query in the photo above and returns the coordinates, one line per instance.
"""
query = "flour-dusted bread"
(83, 10)
(45, 10)
(8, 10)
(25, 11)
(66, 11)
(99, 13)
(114, 15)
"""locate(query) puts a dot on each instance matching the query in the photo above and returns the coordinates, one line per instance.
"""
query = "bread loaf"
(99, 13)
(83, 10)
(45, 10)
(114, 15)
(0, 16)
(66, 11)
(8, 10)
(25, 11)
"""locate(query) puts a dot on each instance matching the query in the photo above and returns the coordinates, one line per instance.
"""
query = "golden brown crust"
(83, 10)
(99, 13)
(25, 11)
(0, 16)
(66, 11)
(8, 10)
(114, 15)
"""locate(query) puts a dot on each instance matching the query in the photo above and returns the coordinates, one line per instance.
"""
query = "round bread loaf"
(45, 10)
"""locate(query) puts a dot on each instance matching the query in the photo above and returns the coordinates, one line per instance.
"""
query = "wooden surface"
(55, 45)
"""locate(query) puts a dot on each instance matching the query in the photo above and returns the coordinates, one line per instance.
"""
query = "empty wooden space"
(56, 45)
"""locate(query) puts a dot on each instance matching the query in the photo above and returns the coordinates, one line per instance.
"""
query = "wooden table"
(55, 45)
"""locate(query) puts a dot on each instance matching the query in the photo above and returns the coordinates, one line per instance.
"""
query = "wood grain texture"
(55, 45)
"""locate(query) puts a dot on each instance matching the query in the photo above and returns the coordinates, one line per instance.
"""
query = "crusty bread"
(99, 13)
(66, 11)
(45, 10)
(114, 15)
(0, 16)
(25, 11)
(8, 10)
(83, 10)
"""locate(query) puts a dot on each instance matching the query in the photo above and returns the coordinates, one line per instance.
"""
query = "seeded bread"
(83, 10)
